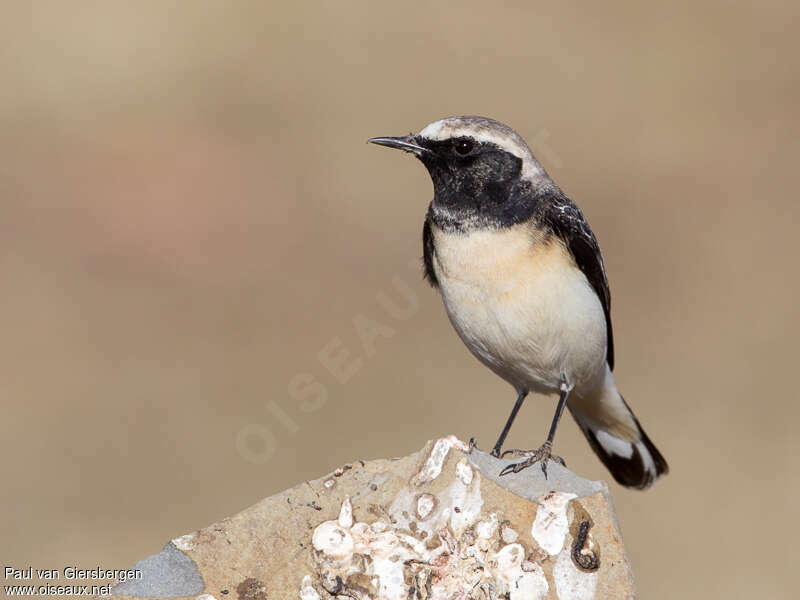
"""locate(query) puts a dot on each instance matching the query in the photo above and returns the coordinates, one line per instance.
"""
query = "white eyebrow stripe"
(452, 127)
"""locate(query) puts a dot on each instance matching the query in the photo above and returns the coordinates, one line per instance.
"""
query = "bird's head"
(481, 169)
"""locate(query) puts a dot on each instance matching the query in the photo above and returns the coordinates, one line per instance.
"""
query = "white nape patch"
(307, 591)
(571, 582)
(550, 527)
(433, 466)
(614, 445)
(185, 543)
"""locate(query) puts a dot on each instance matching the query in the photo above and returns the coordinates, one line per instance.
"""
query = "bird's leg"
(499, 445)
(544, 452)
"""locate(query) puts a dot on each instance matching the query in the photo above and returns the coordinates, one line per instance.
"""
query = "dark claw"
(509, 469)
(515, 467)
(541, 455)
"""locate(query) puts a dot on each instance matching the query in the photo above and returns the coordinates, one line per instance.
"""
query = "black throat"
(486, 190)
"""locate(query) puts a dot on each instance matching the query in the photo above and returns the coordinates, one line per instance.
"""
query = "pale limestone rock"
(437, 524)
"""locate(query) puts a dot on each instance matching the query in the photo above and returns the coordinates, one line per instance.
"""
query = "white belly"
(521, 306)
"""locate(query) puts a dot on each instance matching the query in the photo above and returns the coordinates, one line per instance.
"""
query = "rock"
(439, 523)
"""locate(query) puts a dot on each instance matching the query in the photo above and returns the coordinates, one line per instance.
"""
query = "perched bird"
(523, 283)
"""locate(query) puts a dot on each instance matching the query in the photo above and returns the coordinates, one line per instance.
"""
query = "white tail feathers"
(614, 433)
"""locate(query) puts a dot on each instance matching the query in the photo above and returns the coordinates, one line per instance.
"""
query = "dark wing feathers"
(568, 222)
(427, 251)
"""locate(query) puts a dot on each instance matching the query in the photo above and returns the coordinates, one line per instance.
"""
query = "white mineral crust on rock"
(452, 553)
(451, 568)
(439, 524)
(551, 526)
(433, 466)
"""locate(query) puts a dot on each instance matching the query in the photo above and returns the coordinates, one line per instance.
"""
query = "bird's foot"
(496, 450)
(541, 455)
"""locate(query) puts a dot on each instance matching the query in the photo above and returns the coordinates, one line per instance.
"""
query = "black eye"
(464, 147)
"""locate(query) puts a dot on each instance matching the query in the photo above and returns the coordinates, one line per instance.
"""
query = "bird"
(524, 285)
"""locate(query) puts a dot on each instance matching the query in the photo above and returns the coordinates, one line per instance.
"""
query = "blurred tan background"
(189, 215)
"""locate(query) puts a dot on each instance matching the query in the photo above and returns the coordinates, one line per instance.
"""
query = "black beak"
(407, 143)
